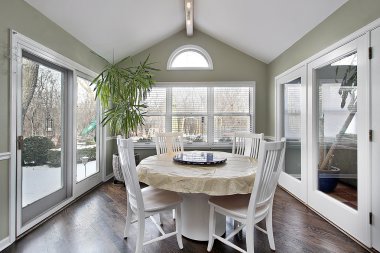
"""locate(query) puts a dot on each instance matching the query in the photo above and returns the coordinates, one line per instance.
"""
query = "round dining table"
(197, 182)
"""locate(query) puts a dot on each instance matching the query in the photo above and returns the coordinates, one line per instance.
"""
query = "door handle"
(20, 142)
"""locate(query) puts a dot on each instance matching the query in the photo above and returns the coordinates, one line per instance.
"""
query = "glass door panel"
(291, 124)
(41, 142)
(337, 131)
(292, 127)
(86, 122)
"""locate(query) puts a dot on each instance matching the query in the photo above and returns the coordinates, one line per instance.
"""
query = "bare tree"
(29, 81)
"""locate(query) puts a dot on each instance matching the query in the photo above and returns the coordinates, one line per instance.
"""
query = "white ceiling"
(115, 29)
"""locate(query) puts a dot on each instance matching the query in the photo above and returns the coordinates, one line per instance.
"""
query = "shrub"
(36, 150)
(89, 152)
(54, 156)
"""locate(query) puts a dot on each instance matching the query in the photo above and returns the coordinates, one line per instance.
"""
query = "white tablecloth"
(235, 176)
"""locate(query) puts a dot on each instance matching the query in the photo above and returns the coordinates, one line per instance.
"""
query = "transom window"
(206, 113)
(189, 57)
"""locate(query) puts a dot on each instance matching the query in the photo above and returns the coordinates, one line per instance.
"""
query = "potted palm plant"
(121, 91)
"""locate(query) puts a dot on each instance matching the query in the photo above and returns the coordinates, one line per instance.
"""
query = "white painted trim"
(108, 177)
(5, 156)
(375, 144)
(103, 149)
(287, 76)
(253, 108)
(292, 184)
(5, 243)
(207, 84)
(189, 47)
(12, 141)
(109, 138)
(48, 54)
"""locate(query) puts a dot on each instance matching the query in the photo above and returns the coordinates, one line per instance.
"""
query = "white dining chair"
(247, 143)
(169, 142)
(249, 209)
(146, 202)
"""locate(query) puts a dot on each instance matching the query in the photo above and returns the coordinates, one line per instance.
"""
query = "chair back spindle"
(247, 144)
(169, 142)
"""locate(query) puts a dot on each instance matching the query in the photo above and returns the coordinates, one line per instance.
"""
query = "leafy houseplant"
(121, 91)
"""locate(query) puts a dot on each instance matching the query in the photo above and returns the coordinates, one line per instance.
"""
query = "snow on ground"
(40, 181)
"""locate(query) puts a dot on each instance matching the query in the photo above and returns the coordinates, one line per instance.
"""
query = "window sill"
(187, 146)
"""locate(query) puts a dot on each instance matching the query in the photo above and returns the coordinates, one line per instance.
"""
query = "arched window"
(189, 57)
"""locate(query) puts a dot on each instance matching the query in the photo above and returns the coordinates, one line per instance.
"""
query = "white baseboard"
(5, 243)
(108, 177)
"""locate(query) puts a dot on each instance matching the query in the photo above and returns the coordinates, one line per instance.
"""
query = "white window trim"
(210, 114)
(184, 48)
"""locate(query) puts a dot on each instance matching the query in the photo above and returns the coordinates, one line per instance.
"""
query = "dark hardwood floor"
(95, 223)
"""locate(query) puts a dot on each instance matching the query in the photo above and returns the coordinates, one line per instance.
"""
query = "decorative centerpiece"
(198, 158)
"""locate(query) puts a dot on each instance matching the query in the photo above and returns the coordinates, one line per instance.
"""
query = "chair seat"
(157, 199)
(236, 205)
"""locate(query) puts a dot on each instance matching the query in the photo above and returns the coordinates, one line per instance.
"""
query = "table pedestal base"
(195, 212)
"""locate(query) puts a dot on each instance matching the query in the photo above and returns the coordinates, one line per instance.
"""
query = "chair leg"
(128, 221)
(174, 214)
(178, 223)
(237, 224)
(269, 228)
(211, 228)
(250, 233)
(140, 234)
(160, 218)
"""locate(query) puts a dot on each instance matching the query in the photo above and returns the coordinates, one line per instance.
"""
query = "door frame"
(355, 222)
(375, 144)
(18, 43)
(55, 197)
(296, 187)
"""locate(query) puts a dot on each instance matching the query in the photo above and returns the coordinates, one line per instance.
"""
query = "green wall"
(4, 204)
(350, 17)
(19, 16)
(229, 65)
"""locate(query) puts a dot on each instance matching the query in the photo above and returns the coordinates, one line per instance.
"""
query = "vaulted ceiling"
(115, 29)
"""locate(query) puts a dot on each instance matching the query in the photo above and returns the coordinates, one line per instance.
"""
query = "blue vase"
(328, 179)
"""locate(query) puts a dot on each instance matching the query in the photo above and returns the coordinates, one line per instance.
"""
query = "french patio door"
(291, 124)
(338, 125)
(43, 180)
(375, 115)
(87, 136)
